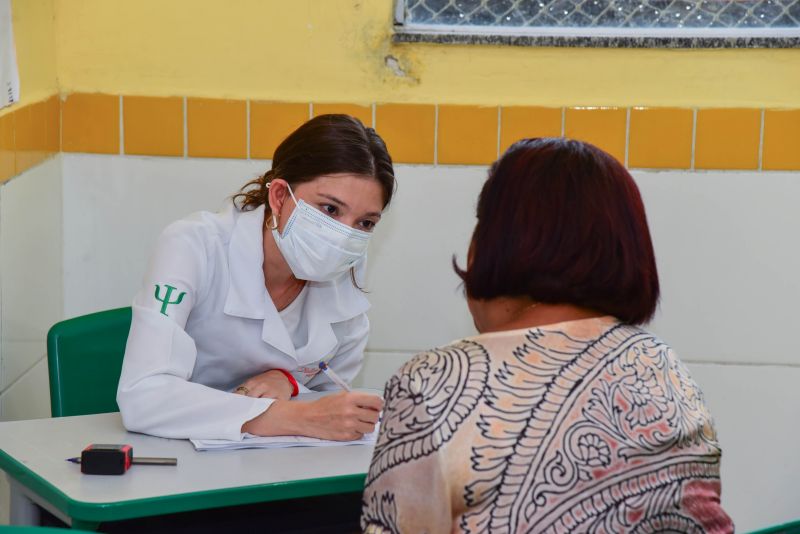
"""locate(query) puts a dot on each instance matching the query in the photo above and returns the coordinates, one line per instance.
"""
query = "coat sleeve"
(155, 393)
(349, 356)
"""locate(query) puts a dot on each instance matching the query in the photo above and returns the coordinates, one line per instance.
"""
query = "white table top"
(42, 445)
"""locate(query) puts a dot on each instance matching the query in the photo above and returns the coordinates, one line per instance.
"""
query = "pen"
(142, 460)
(336, 379)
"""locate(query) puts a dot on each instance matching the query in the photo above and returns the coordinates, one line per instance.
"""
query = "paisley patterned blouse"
(583, 426)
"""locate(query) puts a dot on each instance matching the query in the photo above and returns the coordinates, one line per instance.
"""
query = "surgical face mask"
(317, 247)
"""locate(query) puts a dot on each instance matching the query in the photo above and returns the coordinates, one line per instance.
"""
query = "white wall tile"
(728, 260)
(29, 396)
(417, 301)
(30, 266)
(723, 243)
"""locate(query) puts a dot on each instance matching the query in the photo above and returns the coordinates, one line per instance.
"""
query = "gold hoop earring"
(274, 221)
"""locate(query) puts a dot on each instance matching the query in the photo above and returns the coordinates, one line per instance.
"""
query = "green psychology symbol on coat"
(166, 301)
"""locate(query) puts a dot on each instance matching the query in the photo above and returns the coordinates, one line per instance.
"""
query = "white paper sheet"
(9, 75)
(276, 442)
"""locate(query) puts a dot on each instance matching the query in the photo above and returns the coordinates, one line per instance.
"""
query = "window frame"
(574, 36)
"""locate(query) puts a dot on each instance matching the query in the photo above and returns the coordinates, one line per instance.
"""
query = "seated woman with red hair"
(562, 414)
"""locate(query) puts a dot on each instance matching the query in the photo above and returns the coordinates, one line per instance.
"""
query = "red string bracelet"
(292, 381)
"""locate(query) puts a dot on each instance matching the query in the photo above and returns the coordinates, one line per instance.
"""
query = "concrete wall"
(31, 286)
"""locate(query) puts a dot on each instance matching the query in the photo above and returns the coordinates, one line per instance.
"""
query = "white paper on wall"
(9, 75)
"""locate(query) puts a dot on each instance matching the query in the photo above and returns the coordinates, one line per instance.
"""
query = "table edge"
(182, 502)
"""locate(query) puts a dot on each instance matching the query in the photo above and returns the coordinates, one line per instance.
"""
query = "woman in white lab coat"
(238, 308)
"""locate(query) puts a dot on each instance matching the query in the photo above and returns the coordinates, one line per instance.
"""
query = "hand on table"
(271, 384)
(341, 416)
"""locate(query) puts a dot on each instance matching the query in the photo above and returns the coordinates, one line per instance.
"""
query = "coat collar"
(326, 302)
(247, 295)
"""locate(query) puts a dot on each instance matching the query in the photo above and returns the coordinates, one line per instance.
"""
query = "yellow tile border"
(780, 145)
(7, 153)
(271, 122)
(479, 127)
(90, 122)
(217, 128)
(21, 150)
(153, 126)
(772, 137)
(647, 128)
(409, 131)
(604, 127)
(728, 138)
(520, 122)
(362, 112)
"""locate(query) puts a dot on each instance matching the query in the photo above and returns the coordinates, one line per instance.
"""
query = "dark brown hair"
(561, 221)
(327, 144)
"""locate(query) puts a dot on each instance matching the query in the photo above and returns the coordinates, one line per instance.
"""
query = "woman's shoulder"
(599, 337)
(601, 364)
(592, 341)
(432, 360)
(200, 226)
(427, 401)
(458, 370)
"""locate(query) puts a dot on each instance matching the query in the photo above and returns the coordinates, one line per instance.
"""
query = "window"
(629, 23)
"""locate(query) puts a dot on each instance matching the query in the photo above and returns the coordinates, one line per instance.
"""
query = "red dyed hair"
(561, 221)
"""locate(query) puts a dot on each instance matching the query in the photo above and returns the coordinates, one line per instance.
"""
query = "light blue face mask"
(318, 247)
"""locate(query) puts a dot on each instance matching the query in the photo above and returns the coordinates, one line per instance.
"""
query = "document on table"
(278, 442)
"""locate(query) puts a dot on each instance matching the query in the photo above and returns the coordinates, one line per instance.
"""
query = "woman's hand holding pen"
(272, 384)
(342, 416)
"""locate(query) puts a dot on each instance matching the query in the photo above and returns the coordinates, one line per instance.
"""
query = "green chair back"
(793, 527)
(84, 357)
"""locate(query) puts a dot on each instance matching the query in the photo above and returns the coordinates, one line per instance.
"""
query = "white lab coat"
(189, 346)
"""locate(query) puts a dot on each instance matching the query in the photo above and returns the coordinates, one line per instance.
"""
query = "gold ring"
(242, 389)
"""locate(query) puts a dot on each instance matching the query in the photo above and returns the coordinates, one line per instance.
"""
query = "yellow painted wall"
(35, 39)
(30, 129)
(335, 50)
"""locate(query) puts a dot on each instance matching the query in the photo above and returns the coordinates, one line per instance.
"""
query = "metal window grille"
(727, 19)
